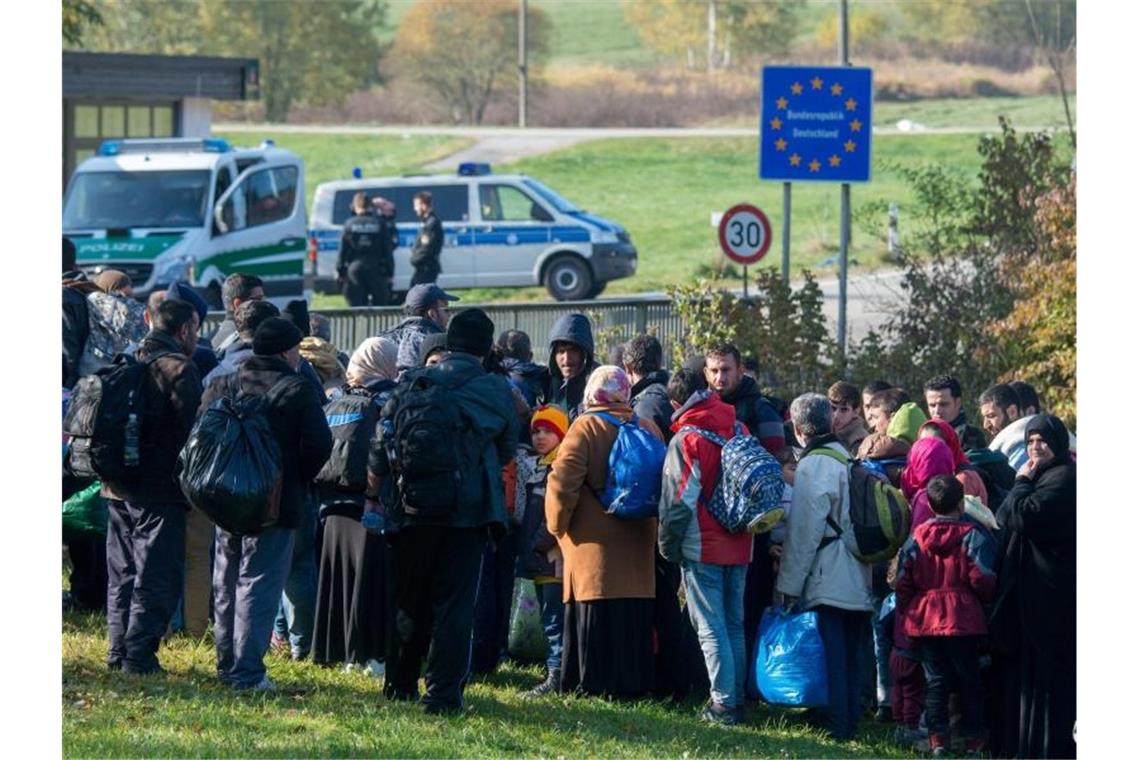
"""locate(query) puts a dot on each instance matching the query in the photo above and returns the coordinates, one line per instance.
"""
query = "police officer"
(364, 264)
(429, 241)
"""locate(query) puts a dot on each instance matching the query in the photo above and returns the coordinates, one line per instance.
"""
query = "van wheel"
(568, 278)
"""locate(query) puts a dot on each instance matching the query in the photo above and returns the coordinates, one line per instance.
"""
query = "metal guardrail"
(614, 321)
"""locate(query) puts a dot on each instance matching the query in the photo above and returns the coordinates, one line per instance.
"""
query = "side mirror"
(220, 218)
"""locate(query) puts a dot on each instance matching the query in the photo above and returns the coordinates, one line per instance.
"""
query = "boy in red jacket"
(945, 574)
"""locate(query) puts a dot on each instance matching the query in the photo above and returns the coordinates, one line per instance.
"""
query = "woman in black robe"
(1034, 622)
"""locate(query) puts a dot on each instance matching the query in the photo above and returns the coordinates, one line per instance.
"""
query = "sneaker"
(442, 708)
(549, 686)
(279, 643)
(265, 684)
(714, 713)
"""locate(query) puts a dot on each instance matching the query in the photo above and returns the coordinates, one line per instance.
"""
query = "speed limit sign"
(745, 234)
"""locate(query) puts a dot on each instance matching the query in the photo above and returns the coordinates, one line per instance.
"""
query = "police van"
(500, 230)
(190, 210)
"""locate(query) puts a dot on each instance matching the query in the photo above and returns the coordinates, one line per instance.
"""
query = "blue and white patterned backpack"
(751, 484)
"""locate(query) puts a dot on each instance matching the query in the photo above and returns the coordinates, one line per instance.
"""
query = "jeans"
(882, 656)
(249, 575)
(553, 619)
(145, 545)
(715, 598)
(844, 634)
(493, 604)
(951, 663)
(297, 613)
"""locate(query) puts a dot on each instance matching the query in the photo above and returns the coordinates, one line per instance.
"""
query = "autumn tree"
(77, 16)
(311, 51)
(714, 32)
(465, 52)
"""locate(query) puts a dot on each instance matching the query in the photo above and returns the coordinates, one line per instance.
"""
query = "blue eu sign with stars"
(815, 124)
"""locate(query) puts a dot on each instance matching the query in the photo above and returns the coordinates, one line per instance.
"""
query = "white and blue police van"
(500, 230)
(190, 210)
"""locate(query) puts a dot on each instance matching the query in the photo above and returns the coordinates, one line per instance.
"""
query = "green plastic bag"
(85, 514)
(527, 640)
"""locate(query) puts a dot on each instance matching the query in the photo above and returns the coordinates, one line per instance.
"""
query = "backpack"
(352, 419)
(880, 514)
(231, 463)
(427, 439)
(633, 484)
(751, 483)
(102, 407)
(113, 323)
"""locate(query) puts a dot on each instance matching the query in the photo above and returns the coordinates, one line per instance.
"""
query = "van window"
(136, 199)
(450, 202)
(504, 203)
(264, 197)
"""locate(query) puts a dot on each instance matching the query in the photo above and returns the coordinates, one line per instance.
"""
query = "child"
(539, 557)
(907, 681)
(944, 577)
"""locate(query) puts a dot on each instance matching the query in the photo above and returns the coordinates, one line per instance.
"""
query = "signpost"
(815, 126)
(745, 236)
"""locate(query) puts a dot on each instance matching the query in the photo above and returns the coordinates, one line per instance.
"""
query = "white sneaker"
(350, 667)
(265, 684)
(374, 669)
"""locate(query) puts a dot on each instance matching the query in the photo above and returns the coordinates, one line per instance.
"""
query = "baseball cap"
(424, 296)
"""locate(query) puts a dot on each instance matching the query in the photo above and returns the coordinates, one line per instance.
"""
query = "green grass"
(324, 712)
(328, 157)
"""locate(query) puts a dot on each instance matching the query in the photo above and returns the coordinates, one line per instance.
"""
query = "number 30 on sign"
(745, 234)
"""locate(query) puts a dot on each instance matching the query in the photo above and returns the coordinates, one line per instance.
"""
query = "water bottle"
(131, 444)
(373, 522)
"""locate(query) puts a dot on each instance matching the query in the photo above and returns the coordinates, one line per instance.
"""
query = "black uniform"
(426, 250)
(365, 260)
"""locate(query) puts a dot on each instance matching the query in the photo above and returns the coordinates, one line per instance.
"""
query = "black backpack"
(99, 415)
(352, 420)
(231, 463)
(428, 441)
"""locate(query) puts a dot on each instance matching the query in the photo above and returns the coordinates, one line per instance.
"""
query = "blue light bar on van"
(215, 145)
(357, 173)
(110, 148)
(172, 145)
(471, 169)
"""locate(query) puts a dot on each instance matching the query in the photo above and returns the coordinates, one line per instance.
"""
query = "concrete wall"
(196, 116)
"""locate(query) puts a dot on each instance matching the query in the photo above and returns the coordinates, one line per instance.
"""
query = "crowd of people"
(435, 467)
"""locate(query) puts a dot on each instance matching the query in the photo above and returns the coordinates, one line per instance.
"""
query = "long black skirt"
(351, 594)
(607, 648)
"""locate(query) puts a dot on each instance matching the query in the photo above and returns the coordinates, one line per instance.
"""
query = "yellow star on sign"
(814, 165)
(775, 123)
(834, 160)
(856, 125)
(797, 88)
(794, 159)
(817, 84)
(837, 89)
(849, 146)
(781, 103)
(851, 104)
(781, 144)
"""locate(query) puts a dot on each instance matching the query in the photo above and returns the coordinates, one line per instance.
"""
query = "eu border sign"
(815, 124)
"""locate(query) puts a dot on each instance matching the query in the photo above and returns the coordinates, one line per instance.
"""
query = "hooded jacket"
(946, 573)
(408, 335)
(528, 377)
(905, 423)
(76, 287)
(650, 399)
(1037, 587)
(830, 575)
(568, 393)
(758, 415)
(170, 396)
(1010, 442)
(686, 530)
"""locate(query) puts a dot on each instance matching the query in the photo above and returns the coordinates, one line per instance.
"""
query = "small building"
(115, 95)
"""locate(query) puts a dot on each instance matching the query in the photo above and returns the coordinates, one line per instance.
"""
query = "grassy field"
(322, 712)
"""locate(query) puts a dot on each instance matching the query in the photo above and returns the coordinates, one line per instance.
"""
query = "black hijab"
(1053, 431)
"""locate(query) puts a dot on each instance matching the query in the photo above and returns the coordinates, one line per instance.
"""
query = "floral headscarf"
(608, 384)
(374, 359)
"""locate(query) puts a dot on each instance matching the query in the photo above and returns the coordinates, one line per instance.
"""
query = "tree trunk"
(712, 36)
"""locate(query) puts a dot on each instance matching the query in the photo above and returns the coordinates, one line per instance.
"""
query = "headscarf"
(905, 422)
(608, 384)
(927, 458)
(1053, 431)
(112, 280)
(946, 430)
(374, 359)
(322, 355)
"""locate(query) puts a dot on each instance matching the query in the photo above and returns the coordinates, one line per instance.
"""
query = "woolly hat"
(472, 332)
(275, 336)
(111, 280)
(550, 418)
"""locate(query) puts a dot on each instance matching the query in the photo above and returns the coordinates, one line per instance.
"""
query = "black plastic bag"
(231, 466)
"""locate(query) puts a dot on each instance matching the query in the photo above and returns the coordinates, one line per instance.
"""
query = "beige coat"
(605, 557)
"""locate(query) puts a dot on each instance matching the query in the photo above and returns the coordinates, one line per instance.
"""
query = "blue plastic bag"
(790, 668)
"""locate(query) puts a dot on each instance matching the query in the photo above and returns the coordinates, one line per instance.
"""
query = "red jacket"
(945, 574)
(686, 530)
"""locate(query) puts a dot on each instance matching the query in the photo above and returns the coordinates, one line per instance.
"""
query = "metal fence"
(614, 321)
